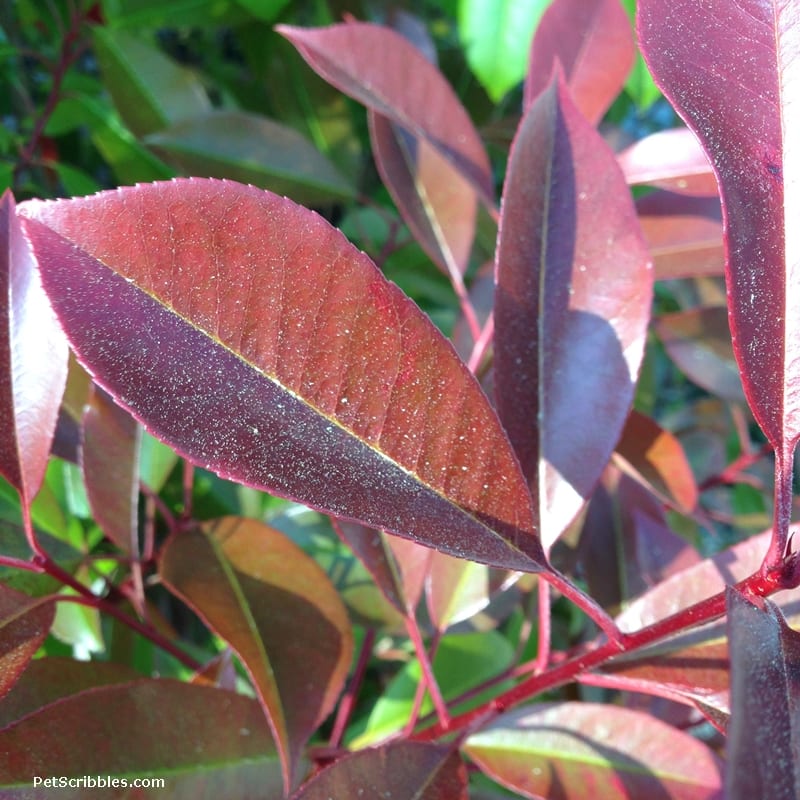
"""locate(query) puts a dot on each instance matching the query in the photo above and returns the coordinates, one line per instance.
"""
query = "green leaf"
(149, 89)
(267, 10)
(462, 661)
(496, 35)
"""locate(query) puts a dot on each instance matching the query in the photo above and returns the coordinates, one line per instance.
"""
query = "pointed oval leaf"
(438, 204)
(24, 623)
(763, 750)
(251, 149)
(149, 89)
(684, 234)
(496, 35)
(205, 743)
(385, 72)
(558, 750)
(402, 771)
(703, 56)
(110, 464)
(276, 607)
(656, 458)
(593, 42)
(673, 160)
(249, 334)
(33, 361)
(574, 284)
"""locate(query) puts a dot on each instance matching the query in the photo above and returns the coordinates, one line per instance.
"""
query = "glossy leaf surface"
(437, 202)
(572, 305)
(656, 458)
(110, 463)
(276, 607)
(733, 72)
(33, 361)
(684, 234)
(496, 35)
(672, 160)
(24, 623)
(234, 324)
(251, 149)
(385, 72)
(763, 748)
(558, 750)
(593, 42)
(402, 771)
(206, 743)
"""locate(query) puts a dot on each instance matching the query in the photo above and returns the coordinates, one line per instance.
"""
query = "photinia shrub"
(476, 507)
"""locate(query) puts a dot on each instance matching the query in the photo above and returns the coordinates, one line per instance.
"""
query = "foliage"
(418, 494)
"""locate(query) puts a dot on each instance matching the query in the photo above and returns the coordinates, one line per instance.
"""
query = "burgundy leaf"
(385, 72)
(110, 461)
(276, 607)
(206, 743)
(574, 284)
(401, 771)
(24, 623)
(699, 342)
(672, 160)
(33, 361)
(656, 458)
(593, 42)
(250, 335)
(684, 234)
(437, 202)
(561, 750)
(764, 735)
(49, 679)
(731, 71)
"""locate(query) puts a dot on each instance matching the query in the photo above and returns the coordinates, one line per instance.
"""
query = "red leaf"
(24, 624)
(33, 362)
(672, 160)
(250, 335)
(438, 204)
(699, 342)
(763, 747)
(276, 607)
(385, 72)
(402, 771)
(110, 461)
(593, 42)
(573, 300)
(656, 458)
(684, 234)
(206, 743)
(732, 72)
(562, 750)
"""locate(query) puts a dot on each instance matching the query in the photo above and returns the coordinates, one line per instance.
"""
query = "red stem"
(347, 704)
(428, 678)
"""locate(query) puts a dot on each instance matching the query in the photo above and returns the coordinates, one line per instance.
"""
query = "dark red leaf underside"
(764, 734)
(385, 72)
(593, 42)
(110, 462)
(574, 284)
(33, 361)
(278, 610)
(401, 771)
(249, 334)
(732, 70)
